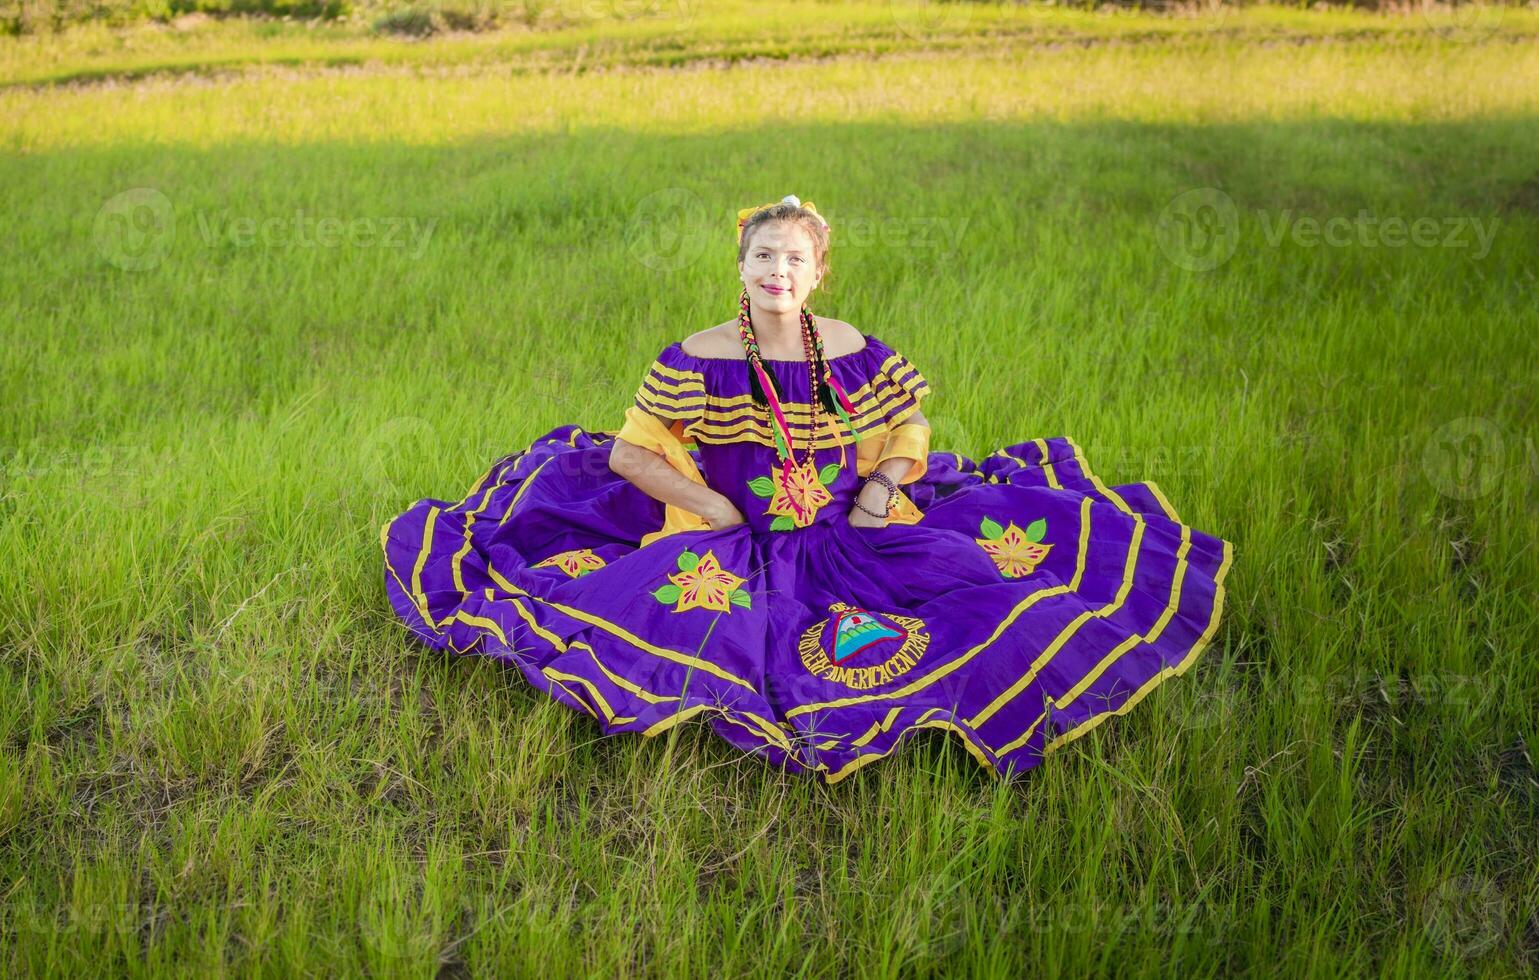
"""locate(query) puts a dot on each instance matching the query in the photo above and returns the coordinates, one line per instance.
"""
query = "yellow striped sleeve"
(899, 388)
(670, 393)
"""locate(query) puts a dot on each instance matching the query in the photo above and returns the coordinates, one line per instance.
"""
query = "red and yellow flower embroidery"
(795, 496)
(1014, 552)
(574, 563)
(701, 583)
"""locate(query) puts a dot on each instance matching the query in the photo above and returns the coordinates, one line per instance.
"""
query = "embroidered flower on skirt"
(1014, 551)
(701, 583)
(578, 561)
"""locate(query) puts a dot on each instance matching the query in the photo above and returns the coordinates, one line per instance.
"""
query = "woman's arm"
(654, 477)
(873, 495)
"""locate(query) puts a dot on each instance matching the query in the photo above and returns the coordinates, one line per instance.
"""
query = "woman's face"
(779, 269)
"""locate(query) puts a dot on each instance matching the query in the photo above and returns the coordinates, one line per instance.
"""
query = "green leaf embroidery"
(782, 523)
(762, 486)
(1036, 529)
(989, 529)
(668, 593)
(688, 560)
(828, 474)
(741, 598)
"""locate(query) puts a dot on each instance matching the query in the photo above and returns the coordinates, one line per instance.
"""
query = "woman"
(810, 577)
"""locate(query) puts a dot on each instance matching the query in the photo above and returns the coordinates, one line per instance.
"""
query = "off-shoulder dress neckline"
(870, 340)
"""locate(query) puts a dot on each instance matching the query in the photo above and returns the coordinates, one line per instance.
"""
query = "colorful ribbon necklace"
(796, 491)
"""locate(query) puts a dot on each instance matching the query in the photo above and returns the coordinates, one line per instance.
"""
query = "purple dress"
(1019, 602)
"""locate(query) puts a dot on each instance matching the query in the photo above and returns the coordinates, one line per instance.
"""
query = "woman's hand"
(872, 496)
(724, 515)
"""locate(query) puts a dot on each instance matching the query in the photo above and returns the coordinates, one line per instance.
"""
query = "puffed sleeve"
(667, 403)
(896, 385)
(896, 388)
(672, 392)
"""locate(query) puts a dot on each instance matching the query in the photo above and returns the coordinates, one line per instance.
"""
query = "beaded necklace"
(797, 490)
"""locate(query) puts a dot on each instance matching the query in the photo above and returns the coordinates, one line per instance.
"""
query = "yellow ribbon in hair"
(746, 213)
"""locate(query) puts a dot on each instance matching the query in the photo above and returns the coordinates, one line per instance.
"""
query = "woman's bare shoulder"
(718, 341)
(722, 340)
(839, 337)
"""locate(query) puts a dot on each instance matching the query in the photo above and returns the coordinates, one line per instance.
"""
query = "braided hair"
(824, 395)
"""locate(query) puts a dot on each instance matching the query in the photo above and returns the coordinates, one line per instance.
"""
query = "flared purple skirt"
(1028, 604)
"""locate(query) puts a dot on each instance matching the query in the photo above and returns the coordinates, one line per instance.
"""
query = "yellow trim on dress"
(911, 440)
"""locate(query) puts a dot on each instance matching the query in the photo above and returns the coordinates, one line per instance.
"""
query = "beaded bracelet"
(867, 509)
(882, 479)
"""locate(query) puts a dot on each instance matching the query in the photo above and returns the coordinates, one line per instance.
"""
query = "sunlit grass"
(590, 36)
(221, 750)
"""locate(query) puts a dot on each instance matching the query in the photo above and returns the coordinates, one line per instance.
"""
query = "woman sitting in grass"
(769, 541)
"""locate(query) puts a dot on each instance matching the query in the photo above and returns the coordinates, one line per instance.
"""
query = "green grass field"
(264, 286)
